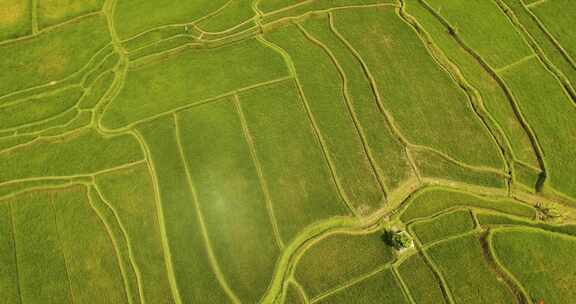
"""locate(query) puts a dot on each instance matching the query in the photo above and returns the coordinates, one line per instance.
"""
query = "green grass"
(491, 219)
(15, 19)
(388, 155)
(51, 55)
(293, 295)
(8, 272)
(480, 21)
(493, 96)
(36, 110)
(382, 286)
(298, 177)
(430, 111)
(556, 17)
(421, 282)
(550, 112)
(225, 177)
(235, 13)
(93, 267)
(468, 276)
(322, 89)
(435, 200)
(543, 262)
(436, 167)
(67, 156)
(53, 12)
(130, 193)
(192, 77)
(191, 265)
(159, 13)
(339, 259)
(443, 226)
(97, 91)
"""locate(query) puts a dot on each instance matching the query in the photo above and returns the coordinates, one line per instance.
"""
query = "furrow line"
(64, 255)
(204, 230)
(262, 181)
(350, 108)
(161, 220)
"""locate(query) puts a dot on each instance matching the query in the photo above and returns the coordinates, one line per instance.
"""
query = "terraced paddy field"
(287, 151)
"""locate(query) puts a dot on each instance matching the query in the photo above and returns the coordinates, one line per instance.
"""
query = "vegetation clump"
(397, 239)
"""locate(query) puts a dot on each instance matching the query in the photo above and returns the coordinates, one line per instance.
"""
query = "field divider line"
(504, 276)
(13, 230)
(535, 3)
(405, 290)
(551, 37)
(34, 16)
(170, 273)
(262, 181)
(217, 98)
(119, 260)
(509, 95)
(300, 290)
(203, 228)
(481, 169)
(354, 117)
(502, 69)
(76, 176)
(64, 255)
(54, 84)
(352, 282)
(314, 126)
(553, 69)
(127, 240)
(48, 28)
(388, 119)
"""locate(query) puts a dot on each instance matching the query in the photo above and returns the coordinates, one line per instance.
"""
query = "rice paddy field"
(262, 151)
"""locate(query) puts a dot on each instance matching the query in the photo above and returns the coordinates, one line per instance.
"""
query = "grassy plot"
(9, 285)
(68, 156)
(491, 219)
(543, 262)
(557, 17)
(430, 111)
(323, 95)
(339, 259)
(192, 271)
(52, 55)
(388, 156)
(130, 193)
(468, 277)
(298, 178)
(225, 175)
(443, 226)
(235, 13)
(303, 7)
(129, 21)
(434, 166)
(434, 200)
(93, 269)
(551, 113)
(421, 282)
(293, 295)
(557, 55)
(36, 110)
(191, 77)
(495, 100)
(15, 19)
(480, 21)
(382, 287)
(97, 91)
(52, 12)
(122, 247)
(42, 269)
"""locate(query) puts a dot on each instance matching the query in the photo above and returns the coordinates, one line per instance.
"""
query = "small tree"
(397, 239)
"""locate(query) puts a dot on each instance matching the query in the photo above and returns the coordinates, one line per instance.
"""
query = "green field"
(287, 151)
